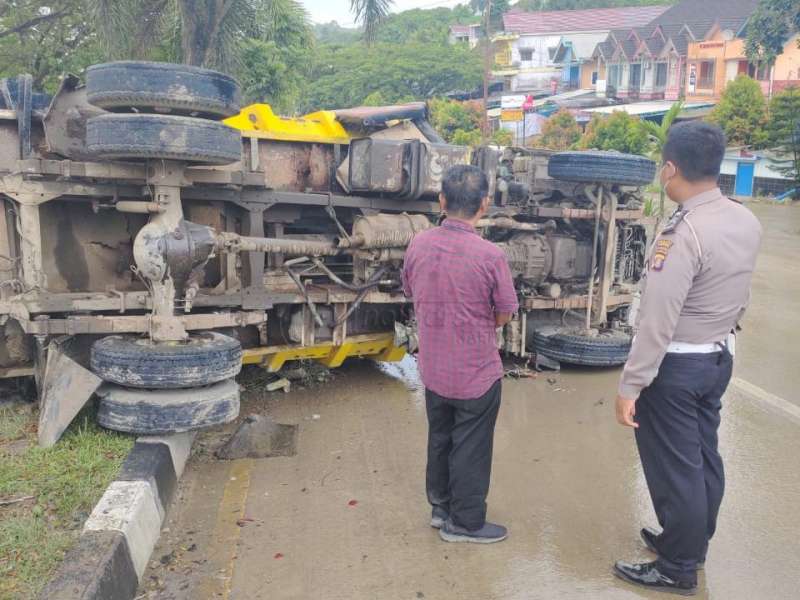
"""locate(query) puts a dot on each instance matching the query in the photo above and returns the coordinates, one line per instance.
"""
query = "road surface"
(346, 518)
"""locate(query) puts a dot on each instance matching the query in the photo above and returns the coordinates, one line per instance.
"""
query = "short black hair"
(696, 148)
(464, 187)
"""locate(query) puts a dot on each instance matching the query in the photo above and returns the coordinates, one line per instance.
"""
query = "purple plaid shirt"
(458, 282)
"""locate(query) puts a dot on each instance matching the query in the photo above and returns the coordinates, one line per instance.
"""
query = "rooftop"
(570, 21)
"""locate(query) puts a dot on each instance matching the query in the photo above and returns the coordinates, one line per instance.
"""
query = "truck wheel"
(608, 348)
(154, 412)
(162, 87)
(137, 137)
(595, 166)
(141, 363)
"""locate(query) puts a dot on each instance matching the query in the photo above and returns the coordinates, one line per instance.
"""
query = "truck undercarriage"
(142, 220)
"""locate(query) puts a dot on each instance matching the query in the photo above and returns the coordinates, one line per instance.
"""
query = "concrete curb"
(111, 555)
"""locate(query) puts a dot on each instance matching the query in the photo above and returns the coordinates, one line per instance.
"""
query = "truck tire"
(608, 348)
(162, 87)
(140, 363)
(137, 137)
(594, 166)
(156, 412)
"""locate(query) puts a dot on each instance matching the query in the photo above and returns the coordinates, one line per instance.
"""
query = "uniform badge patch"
(660, 254)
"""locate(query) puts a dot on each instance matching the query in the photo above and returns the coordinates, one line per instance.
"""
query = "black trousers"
(678, 416)
(460, 437)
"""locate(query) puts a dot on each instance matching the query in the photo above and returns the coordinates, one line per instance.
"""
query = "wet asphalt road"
(346, 518)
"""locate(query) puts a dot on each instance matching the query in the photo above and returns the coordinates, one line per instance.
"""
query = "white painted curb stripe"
(776, 402)
(130, 508)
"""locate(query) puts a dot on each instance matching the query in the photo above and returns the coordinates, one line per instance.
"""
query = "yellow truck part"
(258, 120)
(378, 346)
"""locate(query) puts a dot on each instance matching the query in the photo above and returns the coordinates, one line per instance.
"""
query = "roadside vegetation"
(47, 494)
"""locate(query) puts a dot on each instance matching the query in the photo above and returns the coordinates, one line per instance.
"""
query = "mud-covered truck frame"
(148, 248)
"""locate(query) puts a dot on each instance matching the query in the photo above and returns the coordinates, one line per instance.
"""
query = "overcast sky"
(324, 11)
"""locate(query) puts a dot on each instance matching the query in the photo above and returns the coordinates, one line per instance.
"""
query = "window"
(759, 71)
(594, 77)
(526, 54)
(661, 75)
(706, 78)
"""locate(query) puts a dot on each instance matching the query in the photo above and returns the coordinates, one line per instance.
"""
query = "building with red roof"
(526, 51)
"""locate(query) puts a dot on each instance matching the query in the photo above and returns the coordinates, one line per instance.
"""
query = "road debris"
(15, 500)
(260, 437)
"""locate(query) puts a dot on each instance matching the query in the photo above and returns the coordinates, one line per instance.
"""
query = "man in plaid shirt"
(462, 290)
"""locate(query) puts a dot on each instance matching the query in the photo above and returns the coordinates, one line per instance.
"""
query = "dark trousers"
(678, 416)
(460, 436)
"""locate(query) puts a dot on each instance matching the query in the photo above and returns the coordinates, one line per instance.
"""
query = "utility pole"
(487, 66)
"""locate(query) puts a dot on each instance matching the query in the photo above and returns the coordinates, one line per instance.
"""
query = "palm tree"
(657, 132)
(370, 13)
(204, 33)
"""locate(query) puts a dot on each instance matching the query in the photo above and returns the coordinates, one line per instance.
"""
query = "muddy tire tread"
(180, 89)
(158, 412)
(118, 359)
(594, 166)
(139, 136)
(601, 351)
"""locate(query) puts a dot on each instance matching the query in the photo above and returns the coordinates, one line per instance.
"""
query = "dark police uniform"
(695, 291)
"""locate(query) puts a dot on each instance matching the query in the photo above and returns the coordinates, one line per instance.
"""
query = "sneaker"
(648, 576)
(650, 539)
(488, 534)
(438, 516)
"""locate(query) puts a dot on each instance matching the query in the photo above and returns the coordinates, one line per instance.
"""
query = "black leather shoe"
(648, 576)
(650, 539)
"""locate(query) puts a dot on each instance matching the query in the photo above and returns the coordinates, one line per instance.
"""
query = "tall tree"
(619, 131)
(197, 32)
(45, 39)
(499, 7)
(560, 132)
(742, 113)
(344, 75)
(784, 133)
(770, 27)
(370, 14)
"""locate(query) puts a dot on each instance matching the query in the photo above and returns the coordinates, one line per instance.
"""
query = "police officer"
(694, 293)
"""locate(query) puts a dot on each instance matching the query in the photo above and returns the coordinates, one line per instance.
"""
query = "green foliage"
(560, 132)
(46, 39)
(419, 26)
(65, 482)
(370, 14)
(619, 131)
(344, 75)
(374, 99)
(771, 25)
(333, 33)
(449, 116)
(657, 132)
(461, 137)
(784, 132)
(502, 137)
(275, 65)
(498, 8)
(742, 113)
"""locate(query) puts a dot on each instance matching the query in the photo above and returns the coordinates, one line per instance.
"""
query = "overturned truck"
(155, 236)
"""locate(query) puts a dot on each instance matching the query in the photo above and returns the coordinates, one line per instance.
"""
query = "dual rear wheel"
(167, 112)
(167, 387)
